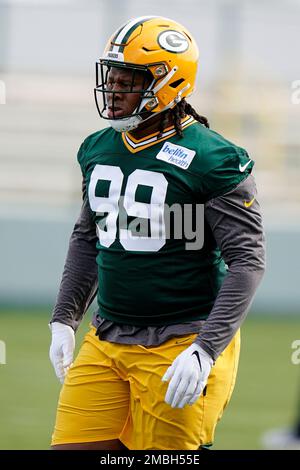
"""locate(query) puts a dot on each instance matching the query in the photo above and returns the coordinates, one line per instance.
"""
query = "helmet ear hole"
(177, 83)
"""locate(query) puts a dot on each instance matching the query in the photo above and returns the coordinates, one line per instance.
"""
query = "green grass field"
(264, 397)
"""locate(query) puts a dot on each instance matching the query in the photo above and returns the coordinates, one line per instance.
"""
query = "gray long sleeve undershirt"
(79, 282)
(239, 234)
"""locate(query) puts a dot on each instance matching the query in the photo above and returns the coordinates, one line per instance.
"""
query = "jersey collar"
(136, 145)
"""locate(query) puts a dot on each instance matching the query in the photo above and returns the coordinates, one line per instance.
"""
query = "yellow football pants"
(114, 391)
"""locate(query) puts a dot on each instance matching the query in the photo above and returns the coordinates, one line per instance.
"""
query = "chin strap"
(127, 124)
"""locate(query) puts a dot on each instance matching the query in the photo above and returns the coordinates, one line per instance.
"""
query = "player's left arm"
(236, 223)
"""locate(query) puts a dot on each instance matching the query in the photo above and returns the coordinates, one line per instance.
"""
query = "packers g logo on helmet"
(162, 49)
(173, 41)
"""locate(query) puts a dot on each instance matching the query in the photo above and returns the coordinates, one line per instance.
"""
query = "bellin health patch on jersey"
(176, 155)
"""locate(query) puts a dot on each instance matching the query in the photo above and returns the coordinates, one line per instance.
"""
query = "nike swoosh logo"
(249, 203)
(243, 167)
(198, 358)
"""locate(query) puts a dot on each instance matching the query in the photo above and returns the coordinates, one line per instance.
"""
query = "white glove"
(62, 348)
(188, 373)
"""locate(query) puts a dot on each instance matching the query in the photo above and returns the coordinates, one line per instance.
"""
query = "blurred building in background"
(248, 64)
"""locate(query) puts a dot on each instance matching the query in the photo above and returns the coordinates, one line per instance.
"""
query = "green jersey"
(148, 273)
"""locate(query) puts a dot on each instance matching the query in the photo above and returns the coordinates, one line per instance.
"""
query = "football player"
(158, 366)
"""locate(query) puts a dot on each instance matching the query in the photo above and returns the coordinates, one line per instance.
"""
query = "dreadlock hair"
(178, 112)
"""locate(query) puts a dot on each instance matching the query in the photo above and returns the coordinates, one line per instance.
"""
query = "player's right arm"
(77, 290)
